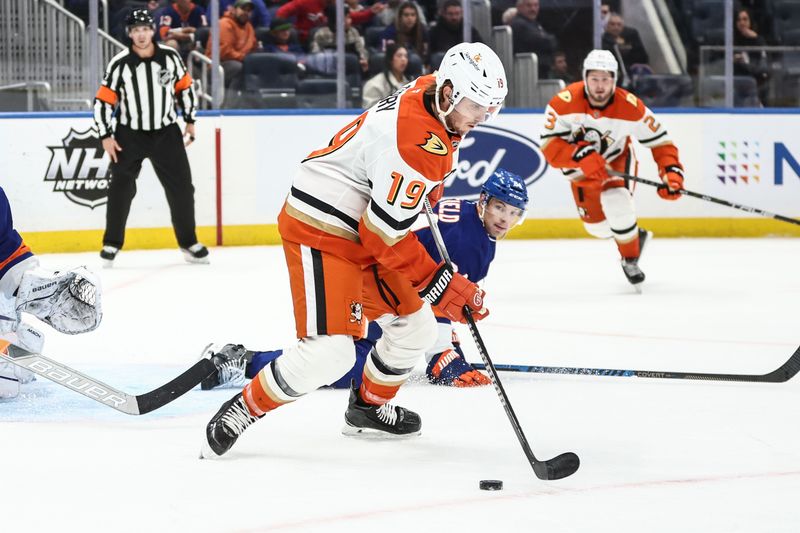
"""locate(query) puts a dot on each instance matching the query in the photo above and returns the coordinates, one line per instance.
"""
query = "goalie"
(68, 301)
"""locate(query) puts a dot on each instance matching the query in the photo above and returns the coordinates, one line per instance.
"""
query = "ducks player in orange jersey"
(351, 206)
(587, 130)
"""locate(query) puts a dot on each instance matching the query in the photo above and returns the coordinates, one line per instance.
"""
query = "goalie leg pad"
(70, 302)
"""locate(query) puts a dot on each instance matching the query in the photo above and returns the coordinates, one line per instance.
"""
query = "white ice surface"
(656, 455)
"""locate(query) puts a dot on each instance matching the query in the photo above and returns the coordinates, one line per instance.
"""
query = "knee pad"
(406, 338)
(620, 212)
(312, 363)
(601, 230)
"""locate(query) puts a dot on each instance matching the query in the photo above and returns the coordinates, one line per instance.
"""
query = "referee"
(140, 92)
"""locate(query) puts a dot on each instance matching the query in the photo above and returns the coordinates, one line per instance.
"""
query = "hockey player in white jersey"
(351, 206)
(588, 130)
(68, 301)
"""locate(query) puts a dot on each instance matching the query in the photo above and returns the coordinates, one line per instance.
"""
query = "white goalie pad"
(68, 301)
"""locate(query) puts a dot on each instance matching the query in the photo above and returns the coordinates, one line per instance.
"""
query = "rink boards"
(56, 174)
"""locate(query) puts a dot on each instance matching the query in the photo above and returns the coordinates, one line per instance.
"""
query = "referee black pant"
(165, 149)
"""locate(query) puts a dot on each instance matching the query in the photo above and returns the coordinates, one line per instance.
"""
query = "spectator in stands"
(499, 9)
(624, 43)
(237, 38)
(308, 14)
(508, 16)
(530, 36)
(390, 80)
(560, 68)
(449, 28)
(363, 15)
(750, 63)
(388, 16)
(408, 30)
(261, 16)
(280, 39)
(325, 38)
(178, 22)
(605, 13)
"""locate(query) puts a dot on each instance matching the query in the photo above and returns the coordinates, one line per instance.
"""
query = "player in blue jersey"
(470, 231)
(57, 298)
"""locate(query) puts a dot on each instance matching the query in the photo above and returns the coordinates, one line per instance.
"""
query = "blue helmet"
(506, 187)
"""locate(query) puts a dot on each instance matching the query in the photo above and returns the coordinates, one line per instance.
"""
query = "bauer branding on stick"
(491, 484)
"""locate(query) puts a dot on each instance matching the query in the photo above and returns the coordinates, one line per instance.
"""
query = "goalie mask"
(478, 79)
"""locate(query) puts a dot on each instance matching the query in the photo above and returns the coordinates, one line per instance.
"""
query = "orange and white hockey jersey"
(569, 119)
(359, 196)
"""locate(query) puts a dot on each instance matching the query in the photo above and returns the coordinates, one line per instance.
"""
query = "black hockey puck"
(491, 484)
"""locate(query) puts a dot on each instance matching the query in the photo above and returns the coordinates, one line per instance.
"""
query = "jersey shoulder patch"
(631, 99)
(434, 145)
(565, 95)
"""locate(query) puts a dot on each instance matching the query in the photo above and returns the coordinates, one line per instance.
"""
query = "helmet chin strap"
(444, 114)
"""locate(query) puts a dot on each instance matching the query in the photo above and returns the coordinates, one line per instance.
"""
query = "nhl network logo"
(80, 168)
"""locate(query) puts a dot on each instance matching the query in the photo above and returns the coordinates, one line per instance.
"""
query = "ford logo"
(488, 148)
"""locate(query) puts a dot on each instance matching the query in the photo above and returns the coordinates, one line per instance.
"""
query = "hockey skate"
(231, 361)
(108, 254)
(631, 266)
(380, 421)
(226, 426)
(196, 253)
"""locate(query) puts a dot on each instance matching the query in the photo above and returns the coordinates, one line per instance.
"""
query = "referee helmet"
(139, 17)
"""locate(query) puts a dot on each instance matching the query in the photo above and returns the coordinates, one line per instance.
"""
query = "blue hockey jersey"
(471, 249)
(12, 249)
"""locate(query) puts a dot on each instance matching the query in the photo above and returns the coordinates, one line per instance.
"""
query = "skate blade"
(638, 288)
(108, 263)
(207, 453)
(375, 434)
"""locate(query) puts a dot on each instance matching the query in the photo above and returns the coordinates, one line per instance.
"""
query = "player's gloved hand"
(451, 369)
(449, 292)
(673, 182)
(591, 163)
(68, 301)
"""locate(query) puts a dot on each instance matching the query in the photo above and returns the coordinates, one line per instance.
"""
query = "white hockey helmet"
(477, 74)
(600, 60)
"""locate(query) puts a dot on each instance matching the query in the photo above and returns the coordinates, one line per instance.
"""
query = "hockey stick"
(99, 391)
(708, 198)
(781, 374)
(558, 467)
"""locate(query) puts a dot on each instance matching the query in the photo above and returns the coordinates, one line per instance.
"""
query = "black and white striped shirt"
(143, 94)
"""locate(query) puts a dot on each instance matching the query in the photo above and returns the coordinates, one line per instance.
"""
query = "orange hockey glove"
(673, 182)
(449, 292)
(591, 163)
(449, 368)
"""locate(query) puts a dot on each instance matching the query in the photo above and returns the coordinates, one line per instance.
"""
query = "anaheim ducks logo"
(434, 145)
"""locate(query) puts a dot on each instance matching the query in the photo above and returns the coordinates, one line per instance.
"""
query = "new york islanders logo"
(80, 168)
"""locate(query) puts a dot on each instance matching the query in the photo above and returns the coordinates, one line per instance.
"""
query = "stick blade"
(558, 467)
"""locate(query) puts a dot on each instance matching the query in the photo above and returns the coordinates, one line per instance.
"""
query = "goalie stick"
(781, 374)
(558, 467)
(100, 392)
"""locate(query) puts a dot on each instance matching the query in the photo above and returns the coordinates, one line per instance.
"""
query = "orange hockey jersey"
(359, 196)
(569, 119)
